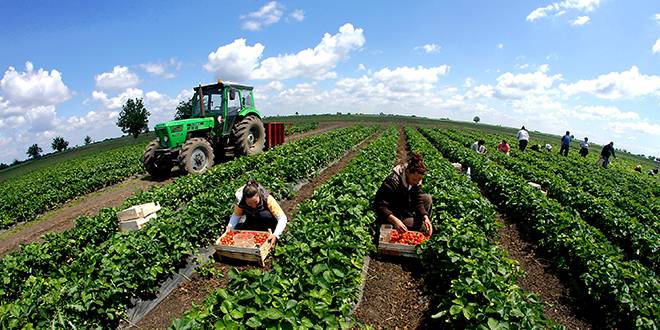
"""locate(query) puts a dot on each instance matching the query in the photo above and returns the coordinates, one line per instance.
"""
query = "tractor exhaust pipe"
(201, 100)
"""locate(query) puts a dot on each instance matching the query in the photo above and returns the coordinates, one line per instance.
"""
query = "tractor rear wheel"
(154, 167)
(249, 136)
(196, 156)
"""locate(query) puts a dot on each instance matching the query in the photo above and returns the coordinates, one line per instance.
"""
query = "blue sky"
(589, 66)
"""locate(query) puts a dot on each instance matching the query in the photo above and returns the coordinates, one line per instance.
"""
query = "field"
(580, 252)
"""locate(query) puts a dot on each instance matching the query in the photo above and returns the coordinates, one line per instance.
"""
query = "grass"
(57, 157)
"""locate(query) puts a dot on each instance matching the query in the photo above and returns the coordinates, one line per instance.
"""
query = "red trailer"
(274, 134)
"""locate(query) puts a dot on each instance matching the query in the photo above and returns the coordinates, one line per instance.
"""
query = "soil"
(193, 292)
(561, 303)
(64, 217)
(395, 295)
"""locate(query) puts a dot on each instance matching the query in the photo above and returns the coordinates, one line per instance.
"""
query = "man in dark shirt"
(565, 143)
(608, 150)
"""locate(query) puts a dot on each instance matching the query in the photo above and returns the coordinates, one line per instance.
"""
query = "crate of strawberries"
(244, 245)
(397, 243)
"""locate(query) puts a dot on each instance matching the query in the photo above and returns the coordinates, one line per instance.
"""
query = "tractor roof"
(221, 84)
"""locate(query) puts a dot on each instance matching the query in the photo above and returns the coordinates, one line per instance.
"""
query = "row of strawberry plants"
(94, 289)
(300, 128)
(24, 197)
(57, 250)
(634, 194)
(625, 291)
(317, 268)
(483, 292)
(637, 239)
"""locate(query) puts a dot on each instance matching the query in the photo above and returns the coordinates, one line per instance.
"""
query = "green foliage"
(317, 269)
(133, 118)
(34, 151)
(184, 110)
(625, 291)
(24, 197)
(483, 290)
(299, 128)
(59, 144)
(92, 283)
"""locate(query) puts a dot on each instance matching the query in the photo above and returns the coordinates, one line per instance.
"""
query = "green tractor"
(224, 122)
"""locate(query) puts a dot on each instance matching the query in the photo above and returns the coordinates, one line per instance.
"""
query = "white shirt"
(584, 144)
(523, 135)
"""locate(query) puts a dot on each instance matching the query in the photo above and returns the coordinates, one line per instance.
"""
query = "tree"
(476, 119)
(59, 144)
(34, 151)
(88, 140)
(184, 110)
(3, 166)
(296, 113)
(133, 118)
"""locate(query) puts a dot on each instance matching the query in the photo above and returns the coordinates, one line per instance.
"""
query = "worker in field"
(548, 147)
(260, 209)
(565, 143)
(536, 147)
(653, 172)
(584, 147)
(400, 201)
(523, 138)
(479, 147)
(504, 147)
(605, 153)
(638, 168)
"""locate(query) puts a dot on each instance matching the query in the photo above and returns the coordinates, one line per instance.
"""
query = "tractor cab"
(223, 121)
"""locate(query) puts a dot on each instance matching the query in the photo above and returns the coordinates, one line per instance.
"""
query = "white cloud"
(298, 15)
(429, 48)
(270, 13)
(616, 85)
(635, 127)
(580, 20)
(361, 67)
(162, 69)
(120, 78)
(560, 8)
(500, 46)
(513, 86)
(609, 113)
(657, 17)
(234, 61)
(33, 88)
(238, 61)
(116, 102)
(656, 47)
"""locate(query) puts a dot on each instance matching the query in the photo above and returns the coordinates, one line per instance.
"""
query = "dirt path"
(560, 302)
(64, 217)
(197, 288)
(395, 295)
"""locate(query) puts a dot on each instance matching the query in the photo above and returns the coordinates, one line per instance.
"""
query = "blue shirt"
(566, 140)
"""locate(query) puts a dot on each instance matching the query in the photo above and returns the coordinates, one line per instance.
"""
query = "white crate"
(136, 224)
(138, 211)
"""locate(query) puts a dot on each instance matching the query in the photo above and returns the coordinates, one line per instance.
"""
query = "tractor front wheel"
(150, 160)
(196, 156)
(249, 136)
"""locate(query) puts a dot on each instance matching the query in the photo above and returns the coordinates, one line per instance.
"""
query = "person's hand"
(427, 225)
(228, 229)
(398, 224)
(272, 239)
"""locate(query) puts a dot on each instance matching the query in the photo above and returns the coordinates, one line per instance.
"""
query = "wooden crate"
(385, 247)
(257, 253)
(138, 211)
(136, 224)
